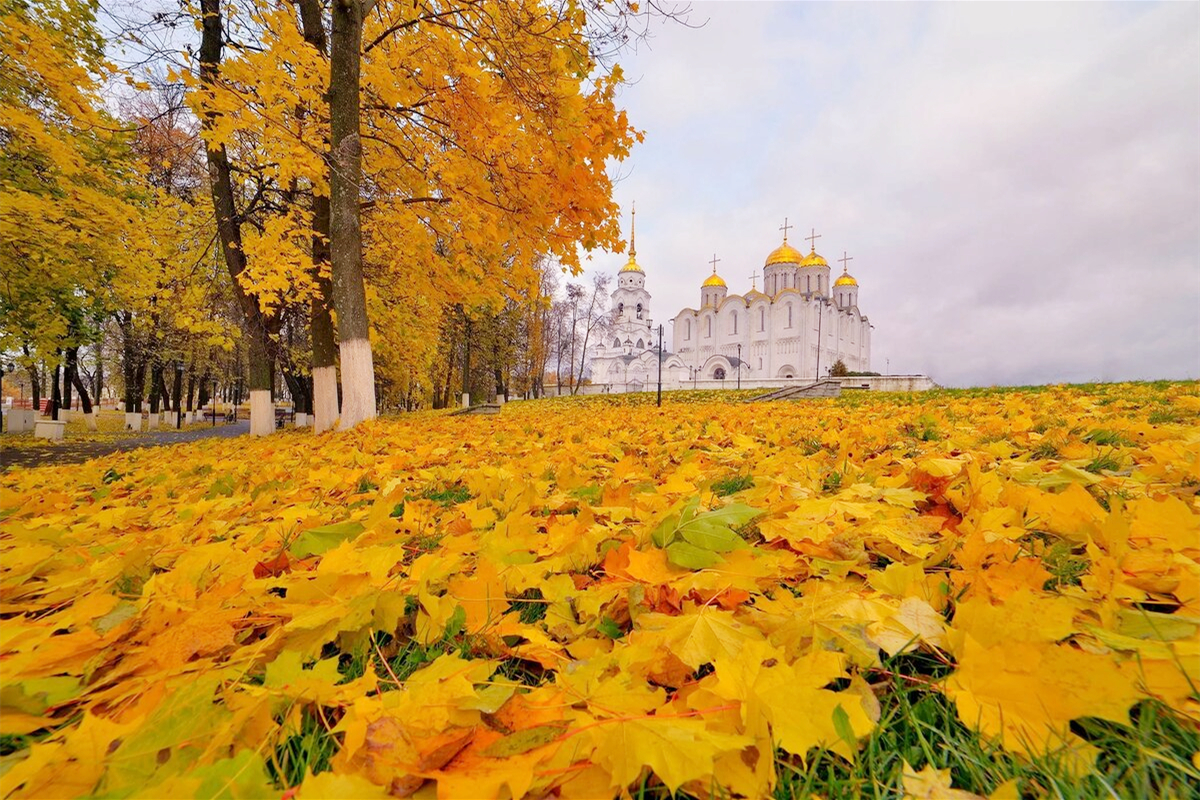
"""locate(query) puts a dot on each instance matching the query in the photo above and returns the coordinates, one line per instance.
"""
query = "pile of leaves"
(584, 599)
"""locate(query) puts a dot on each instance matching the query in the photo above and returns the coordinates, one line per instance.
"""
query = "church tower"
(779, 272)
(845, 288)
(713, 290)
(813, 279)
(631, 302)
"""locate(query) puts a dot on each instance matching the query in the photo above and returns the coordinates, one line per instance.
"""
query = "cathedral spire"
(633, 230)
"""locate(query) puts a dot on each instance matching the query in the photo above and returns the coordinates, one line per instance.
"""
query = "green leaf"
(242, 777)
(716, 539)
(315, 541)
(456, 623)
(610, 628)
(523, 741)
(841, 724)
(688, 556)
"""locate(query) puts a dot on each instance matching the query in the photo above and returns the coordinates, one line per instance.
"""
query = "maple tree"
(476, 135)
(584, 596)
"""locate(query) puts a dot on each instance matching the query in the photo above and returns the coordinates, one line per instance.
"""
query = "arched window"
(617, 343)
(762, 319)
(708, 327)
(789, 313)
(808, 283)
(620, 308)
(735, 322)
(641, 344)
(687, 329)
(639, 311)
(719, 373)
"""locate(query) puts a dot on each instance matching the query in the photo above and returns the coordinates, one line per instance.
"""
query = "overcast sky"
(1018, 183)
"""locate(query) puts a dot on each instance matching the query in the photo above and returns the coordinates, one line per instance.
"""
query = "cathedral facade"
(794, 330)
(798, 327)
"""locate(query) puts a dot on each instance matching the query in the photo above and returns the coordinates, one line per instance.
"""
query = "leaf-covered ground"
(882, 595)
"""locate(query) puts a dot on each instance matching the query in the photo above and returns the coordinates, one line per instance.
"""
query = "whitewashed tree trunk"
(133, 420)
(262, 413)
(358, 382)
(90, 419)
(325, 398)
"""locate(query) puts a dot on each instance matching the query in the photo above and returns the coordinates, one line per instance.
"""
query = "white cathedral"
(792, 332)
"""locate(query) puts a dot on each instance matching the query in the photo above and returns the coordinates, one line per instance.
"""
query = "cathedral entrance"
(719, 374)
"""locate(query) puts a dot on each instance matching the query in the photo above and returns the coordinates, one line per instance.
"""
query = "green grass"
(732, 485)
(309, 749)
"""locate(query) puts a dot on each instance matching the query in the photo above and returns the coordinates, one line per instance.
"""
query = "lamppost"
(10, 368)
(214, 403)
(178, 395)
(739, 365)
(660, 333)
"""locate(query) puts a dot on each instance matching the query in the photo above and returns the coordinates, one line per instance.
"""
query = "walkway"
(69, 452)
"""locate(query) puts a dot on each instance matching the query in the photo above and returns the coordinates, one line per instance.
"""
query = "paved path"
(69, 452)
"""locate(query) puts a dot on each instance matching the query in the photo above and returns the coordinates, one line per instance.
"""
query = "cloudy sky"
(1018, 183)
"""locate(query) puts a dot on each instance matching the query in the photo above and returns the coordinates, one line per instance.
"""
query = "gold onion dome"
(713, 280)
(813, 260)
(784, 254)
(845, 279)
(632, 266)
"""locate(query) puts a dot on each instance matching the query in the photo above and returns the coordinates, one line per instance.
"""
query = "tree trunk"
(323, 395)
(178, 391)
(466, 373)
(55, 395)
(345, 228)
(191, 388)
(89, 415)
(68, 378)
(155, 383)
(99, 385)
(257, 324)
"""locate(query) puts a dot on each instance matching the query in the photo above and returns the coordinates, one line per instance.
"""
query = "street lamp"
(178, 395)
(214, 403)
(739, 365)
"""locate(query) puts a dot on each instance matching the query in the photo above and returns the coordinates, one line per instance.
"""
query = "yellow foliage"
(491, 606)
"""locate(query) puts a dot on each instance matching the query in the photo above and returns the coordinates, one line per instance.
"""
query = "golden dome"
(845, 280)
(813, 260)
(784, 254)
(632, 266)
(713, 280)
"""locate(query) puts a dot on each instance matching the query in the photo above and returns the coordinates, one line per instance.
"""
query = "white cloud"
(1019, 184)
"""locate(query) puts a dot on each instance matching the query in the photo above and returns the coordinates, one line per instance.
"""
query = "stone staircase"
(483, 408)
(825, 388)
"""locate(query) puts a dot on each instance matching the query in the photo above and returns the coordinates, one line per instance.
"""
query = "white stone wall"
(789, 334)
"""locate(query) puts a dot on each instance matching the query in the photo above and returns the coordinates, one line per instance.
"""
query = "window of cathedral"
(687, 329)
(641, 344)
(617, 343)
(762, 319)
(735, 322)
(789, 315)
(719, 374)
(620, 308)
(708, 328)
(639, 310)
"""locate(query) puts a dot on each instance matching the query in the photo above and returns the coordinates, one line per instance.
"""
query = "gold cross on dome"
(812, 240)
(714, 263)
(844, 259)
(784, 227)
